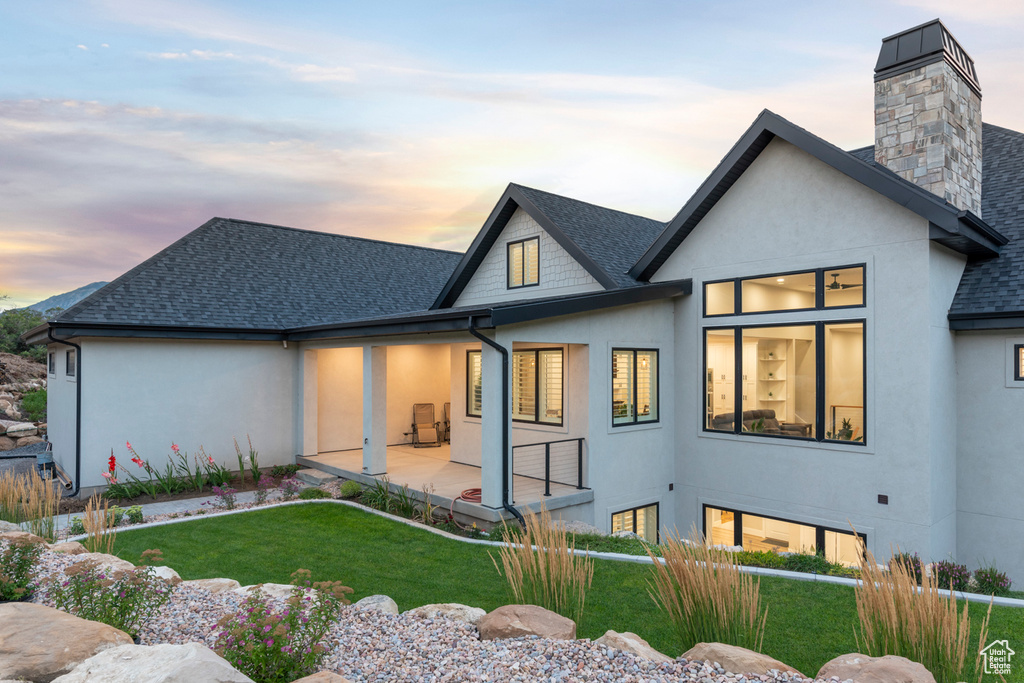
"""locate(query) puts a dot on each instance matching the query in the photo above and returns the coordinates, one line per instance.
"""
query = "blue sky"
(124, 124)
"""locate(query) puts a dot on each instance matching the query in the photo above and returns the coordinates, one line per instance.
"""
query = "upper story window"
(809, 290)
(634, 386)
(51, 363)
(70, 360)
(474, 384)
(1018, 362)
(537, 382)
(524, 263)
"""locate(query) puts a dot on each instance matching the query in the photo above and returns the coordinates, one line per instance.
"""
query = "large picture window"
(824, 288)
(474, 384)
(524, 263)
(537, 381)
(634, 386)
(642, 521)
(796, 380)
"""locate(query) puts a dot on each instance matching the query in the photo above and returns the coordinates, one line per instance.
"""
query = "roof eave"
(1001, 320)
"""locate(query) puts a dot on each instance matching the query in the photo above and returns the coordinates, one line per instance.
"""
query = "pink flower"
(174, 447)
(210, 458)
(106, 475)
(128, 444)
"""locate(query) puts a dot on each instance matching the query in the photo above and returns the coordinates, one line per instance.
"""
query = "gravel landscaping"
(367, 645)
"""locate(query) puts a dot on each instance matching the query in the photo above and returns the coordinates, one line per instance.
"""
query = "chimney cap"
(922, 45)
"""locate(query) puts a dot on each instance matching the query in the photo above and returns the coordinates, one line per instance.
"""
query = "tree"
(15, 322)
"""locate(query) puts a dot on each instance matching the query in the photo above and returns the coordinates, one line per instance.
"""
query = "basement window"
(642, 521)
(524, 263)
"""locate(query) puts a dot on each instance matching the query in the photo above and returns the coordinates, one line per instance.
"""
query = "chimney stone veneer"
(928, 114)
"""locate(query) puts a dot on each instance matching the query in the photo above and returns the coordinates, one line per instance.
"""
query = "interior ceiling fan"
(835, 284)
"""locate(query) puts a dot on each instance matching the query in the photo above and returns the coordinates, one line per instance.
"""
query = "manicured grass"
(808, 623)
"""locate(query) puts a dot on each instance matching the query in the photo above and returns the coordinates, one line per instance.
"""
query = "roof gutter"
(77, 481)
(504, 419)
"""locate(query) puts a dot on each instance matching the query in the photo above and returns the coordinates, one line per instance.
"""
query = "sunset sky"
(124, 124)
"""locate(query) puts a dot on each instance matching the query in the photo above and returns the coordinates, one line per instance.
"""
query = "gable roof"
(254, 276)
(959, 230)
(604, 241)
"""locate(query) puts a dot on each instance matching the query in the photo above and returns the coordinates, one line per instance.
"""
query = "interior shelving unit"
(771, 376)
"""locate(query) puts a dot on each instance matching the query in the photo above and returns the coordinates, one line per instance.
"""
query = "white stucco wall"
(60, 410)
(990, 518)
(339, 399)
(192, 393)
(559, 273)
(416, 374)
(790, 212)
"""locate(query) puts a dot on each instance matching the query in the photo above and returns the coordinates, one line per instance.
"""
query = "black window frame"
(819, 378)
(657, 383)
(819, 292)
(536, 386)
(469, 385)
(51, 363)
(657, 518)
(508, 263)
(1018, 366)
(70, 360)
(819, 529)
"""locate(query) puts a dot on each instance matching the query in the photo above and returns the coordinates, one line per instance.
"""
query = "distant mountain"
(67, 299)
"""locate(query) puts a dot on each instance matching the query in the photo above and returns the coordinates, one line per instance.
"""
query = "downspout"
(78, 410)
(504, 419)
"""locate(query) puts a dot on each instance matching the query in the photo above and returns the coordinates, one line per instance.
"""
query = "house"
(819, 341)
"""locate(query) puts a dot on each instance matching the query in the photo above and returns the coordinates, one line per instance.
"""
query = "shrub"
(549, 573)
(760, 558)
(16, 563)
(806, 562)
(403, 502)
(263, 487)
(378, 496)
(225, 498)
(313, 493)
(899, 618)
(290, 488)
(351, 489)
(134, 514)
(34, 403)
(281, 471)
(951, 575)
(120, 599)
(274, 646)
(991, 581)
(706, 596)
(910, 563)
(30, 500)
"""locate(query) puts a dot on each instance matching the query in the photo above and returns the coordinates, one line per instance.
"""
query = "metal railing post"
(547, 469)
(579, 463)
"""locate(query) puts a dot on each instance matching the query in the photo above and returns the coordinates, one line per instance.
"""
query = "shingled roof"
(253, 276)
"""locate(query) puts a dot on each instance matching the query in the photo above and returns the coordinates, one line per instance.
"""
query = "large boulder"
(191, 663)
(39, 643)
(280, 591)
(20, 536)
(515, 621)
(318, 677)
(8, 526)
(69, 548)
(29, 440)
(737, 660)
(17, 431)
(381, 603)
(167, 574)
(105, 562)
(864, 669)
(634, 644)
(448, 610)
(214, 585)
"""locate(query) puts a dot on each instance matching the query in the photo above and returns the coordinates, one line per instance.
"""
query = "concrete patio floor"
(417, 467)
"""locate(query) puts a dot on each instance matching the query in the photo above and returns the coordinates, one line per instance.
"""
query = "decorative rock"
(191, 663)
(515, 621)
(20, 535)
(21, 429)
(28, 441)
(214, 585)
(632, 643)
(318, 677)
(864, 669)
(737, 660)
(448, 610)
(8, 526)
(576, 527)
(6, 444)
(381, 603)
(167, 574)
(279, 591)
(105, 562)
(69, 548)
(40, 643)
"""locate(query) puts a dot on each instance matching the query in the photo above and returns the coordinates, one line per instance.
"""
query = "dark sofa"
(724, 422)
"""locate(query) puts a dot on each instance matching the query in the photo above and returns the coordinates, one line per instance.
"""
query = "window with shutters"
(537, 386)
(524, 263)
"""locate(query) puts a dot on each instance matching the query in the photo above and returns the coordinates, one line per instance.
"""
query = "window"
(770, 376)
(51, 363)
(824, 288)
(634, 386)
(641, 521)
(69, 368)
(537, 386)
(755, 532)
(1018, 362)
(524, 263)
(474, 384)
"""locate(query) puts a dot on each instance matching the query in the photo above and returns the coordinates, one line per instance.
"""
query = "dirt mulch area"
(20, 369)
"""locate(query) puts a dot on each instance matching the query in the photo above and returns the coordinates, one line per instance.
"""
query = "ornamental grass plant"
(706, 596)
(542, 568)
(30, 501)
(898, 617)
(100, 526)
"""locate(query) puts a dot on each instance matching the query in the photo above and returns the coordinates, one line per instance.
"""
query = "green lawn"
(808, 623)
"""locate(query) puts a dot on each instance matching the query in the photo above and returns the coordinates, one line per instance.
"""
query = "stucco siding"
(559, 273)
(60, 410)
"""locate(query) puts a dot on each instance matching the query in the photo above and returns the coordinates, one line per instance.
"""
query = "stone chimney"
(928, 114)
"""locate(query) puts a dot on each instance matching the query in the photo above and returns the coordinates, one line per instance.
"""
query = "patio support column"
(490, 432)
(375, 410)
(308, 444)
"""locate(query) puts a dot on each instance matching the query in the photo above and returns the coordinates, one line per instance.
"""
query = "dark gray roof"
(613, 239)
(996, 285)
(253, 276)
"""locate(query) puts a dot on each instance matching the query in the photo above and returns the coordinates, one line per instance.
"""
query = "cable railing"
(559, 461)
